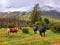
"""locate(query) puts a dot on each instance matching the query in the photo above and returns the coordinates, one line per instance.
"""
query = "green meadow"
(29, 39)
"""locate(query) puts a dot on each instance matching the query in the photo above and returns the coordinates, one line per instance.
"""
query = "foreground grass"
(28, 39)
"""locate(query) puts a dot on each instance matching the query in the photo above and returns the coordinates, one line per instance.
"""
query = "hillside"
(11, 14)
(51, 13)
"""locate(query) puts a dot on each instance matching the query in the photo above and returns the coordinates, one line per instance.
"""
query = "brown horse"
(12, 30)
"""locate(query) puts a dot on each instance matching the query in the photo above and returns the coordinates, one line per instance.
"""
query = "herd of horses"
(41, 29)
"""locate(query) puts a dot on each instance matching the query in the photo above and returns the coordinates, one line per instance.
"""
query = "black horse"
(35, 29)
(42, 29)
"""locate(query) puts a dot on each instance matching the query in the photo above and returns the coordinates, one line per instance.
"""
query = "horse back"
(42, 29)
(13, 30)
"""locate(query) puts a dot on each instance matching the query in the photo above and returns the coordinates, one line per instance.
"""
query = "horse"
(12, 30)
(41, 29)
(35, 29)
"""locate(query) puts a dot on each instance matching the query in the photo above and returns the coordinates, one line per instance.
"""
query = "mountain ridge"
(53, 12)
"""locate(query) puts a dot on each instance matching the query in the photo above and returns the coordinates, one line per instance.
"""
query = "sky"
(24, 5)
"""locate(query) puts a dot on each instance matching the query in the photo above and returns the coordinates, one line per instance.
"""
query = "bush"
(3, 26)
(46, 20)
(12, 26)
(40, 23)
(56, 28)
(25, 30)
(49, 26)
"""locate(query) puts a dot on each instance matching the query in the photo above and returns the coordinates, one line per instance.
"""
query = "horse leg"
(35, 32)
(8, 32)
(44, 34)
(41, 33)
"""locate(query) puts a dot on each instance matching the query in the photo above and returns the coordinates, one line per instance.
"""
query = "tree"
(36, 14)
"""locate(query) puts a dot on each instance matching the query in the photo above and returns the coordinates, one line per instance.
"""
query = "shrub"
(3, 26)
(37, 23)
(49, 26)
(40, 23)
(25, 30)
(56, 28)
(46, 20)
(12, 26)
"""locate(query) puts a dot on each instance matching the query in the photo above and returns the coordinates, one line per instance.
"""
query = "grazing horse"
(35, 29)
(42, 29)
(12, 30)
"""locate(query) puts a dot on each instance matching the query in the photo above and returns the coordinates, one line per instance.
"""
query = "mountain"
(49, 11)
(49, 8)
(46, 11)
(11, 14)
(3, 14)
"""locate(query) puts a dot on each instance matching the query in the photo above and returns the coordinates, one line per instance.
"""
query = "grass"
(28, 39)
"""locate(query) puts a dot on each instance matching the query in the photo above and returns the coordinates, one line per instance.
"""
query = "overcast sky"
(6, 5)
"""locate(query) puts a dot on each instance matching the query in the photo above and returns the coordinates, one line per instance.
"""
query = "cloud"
(3, 3)
(16, 9)
(57, 3)
(20, 3)
(24, 4)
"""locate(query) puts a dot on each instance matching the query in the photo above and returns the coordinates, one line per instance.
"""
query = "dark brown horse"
(35, 29)
(41, 29)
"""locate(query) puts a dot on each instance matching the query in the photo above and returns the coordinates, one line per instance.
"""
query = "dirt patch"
(56, 43)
